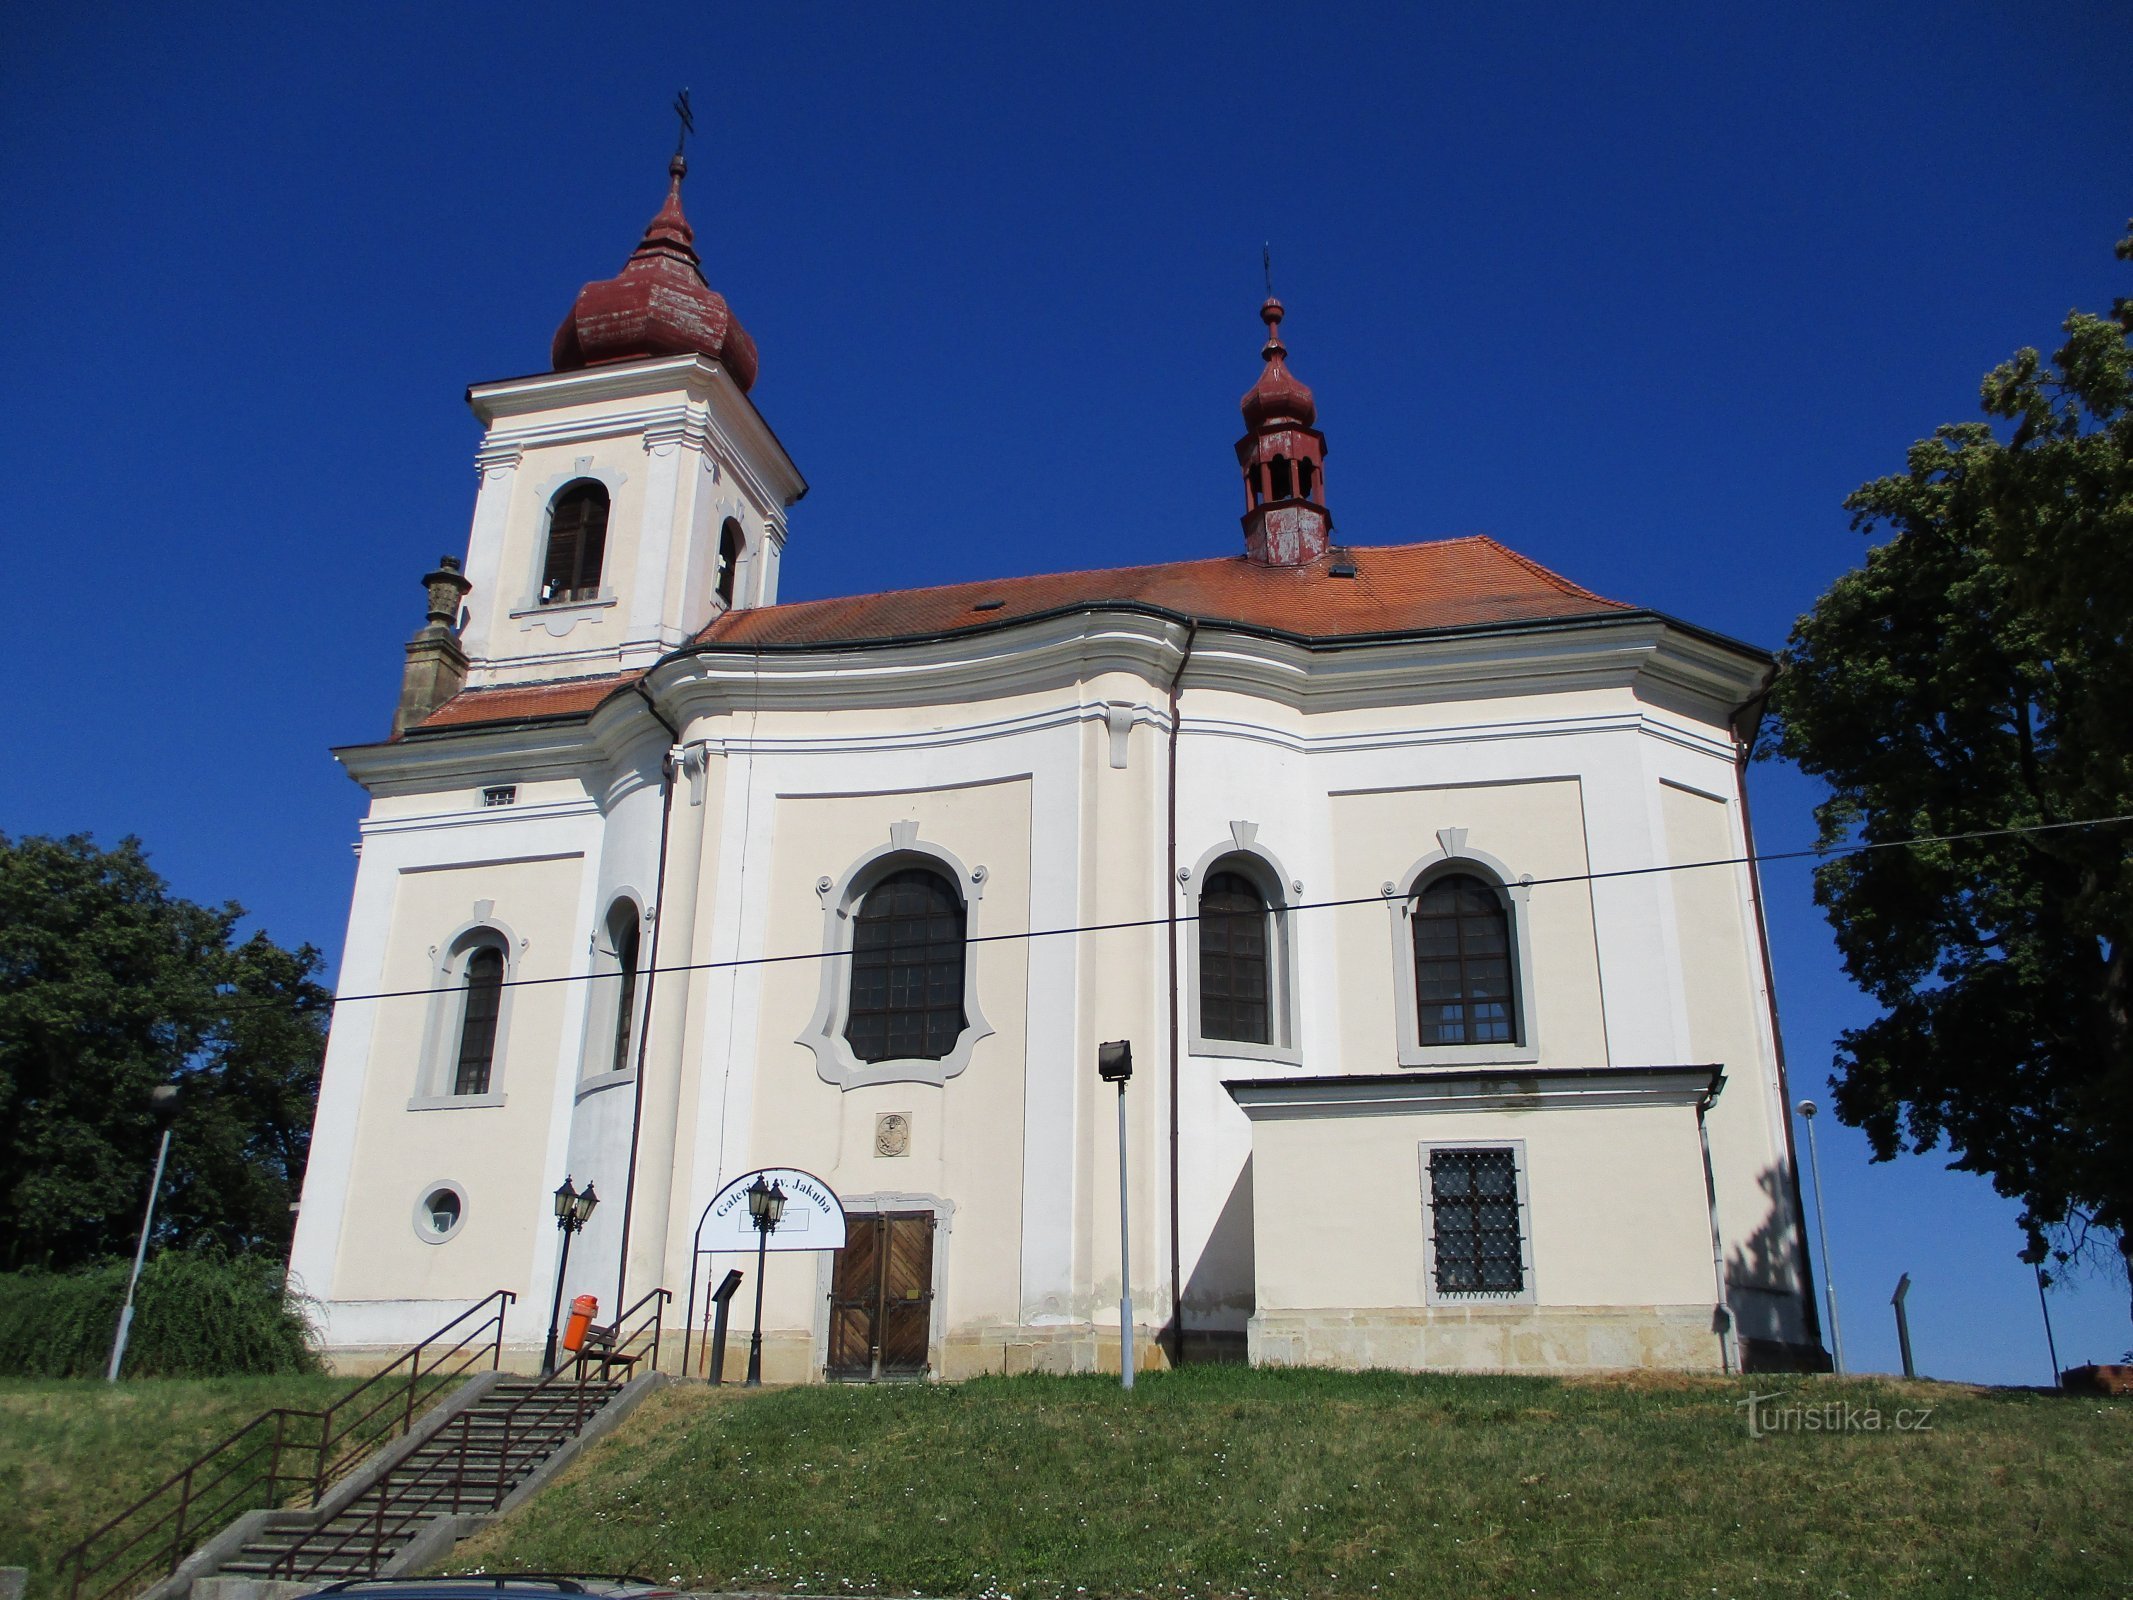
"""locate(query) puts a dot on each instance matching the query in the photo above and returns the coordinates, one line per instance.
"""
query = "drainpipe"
(669, 769)
(1170, 881)
(1748, 717)
(1728, 1338)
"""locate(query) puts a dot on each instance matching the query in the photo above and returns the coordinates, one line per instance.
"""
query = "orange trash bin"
(582, 1311)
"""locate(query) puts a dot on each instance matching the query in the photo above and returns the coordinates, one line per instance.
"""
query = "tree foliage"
(110, 985)
(1976, 674)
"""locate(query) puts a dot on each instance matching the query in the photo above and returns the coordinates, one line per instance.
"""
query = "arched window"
(1236, 988)
(622, 931)
(1280, 474)
(731, 545)
(577, 540)
(481, 1001)
(1463, 976)
(907, 969)
(1304, 475)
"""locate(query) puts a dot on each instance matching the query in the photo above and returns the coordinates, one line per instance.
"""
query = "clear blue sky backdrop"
(1643, 291)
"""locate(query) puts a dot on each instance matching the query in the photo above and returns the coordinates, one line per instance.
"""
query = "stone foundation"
(1491, 1338)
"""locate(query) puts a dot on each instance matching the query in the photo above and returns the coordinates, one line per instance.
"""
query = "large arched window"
(907, 969)
(731, 546)
(577, 543)
(481, 1002)
(1463, 972)
(1236, 972)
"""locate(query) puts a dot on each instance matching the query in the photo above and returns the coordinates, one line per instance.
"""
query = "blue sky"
(1643, 292)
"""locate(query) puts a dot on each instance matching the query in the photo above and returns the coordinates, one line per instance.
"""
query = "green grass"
(76, 1451)
(1223, 1481)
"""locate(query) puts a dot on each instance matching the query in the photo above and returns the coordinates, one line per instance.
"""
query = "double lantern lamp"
(573, 1209)
(766, 1208)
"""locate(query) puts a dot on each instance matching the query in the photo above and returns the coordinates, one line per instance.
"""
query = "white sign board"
(813, 1219)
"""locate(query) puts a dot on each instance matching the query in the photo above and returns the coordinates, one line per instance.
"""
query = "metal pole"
(140, 1254)
(555, 1312)
(1903, 1324)
(1829, 1276)
(755, 1339)
(1125, 1256)
(2050, 1343)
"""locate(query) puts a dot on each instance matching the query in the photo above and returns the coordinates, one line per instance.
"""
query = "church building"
(1413, 874)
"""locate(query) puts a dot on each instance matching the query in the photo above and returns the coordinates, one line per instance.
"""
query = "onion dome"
(1279, 396)
(658, 305)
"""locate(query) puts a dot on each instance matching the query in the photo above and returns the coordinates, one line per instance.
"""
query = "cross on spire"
(687, 119)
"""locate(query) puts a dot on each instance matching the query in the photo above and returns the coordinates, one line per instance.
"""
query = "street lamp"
(1829, 1277)
(573, 1210)
(766, 1206)
(163, 1106)
(1114, 1064)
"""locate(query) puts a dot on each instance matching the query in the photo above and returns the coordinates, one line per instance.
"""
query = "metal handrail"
(391, 1517)
(162, 1527)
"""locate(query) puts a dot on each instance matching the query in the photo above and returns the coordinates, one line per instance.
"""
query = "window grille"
(477, 1028)
(577, 541)
(907, 970)
(1462, 963)
(1479, 1244)
(502, 794)
(1235, 975)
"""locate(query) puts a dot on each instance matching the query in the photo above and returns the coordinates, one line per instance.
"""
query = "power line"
(1831, 853)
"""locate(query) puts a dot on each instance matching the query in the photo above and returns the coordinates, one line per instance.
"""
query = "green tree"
(109, 985)
(1976, 674)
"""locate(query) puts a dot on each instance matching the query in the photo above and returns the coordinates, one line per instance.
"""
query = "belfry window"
(1280, 473)
(1463, 976)
(1236, 989)
(1304, 475)
(577, 543)
(907, 969)
(730, 548)
(480, 1004)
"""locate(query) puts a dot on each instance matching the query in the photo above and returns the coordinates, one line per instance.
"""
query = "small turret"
(1286, 523)
(436, 666)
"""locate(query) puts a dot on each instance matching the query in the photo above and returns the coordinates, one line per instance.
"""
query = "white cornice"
(1429, 1091)
(691, 393)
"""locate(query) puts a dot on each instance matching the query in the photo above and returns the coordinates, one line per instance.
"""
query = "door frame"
(867, 1205)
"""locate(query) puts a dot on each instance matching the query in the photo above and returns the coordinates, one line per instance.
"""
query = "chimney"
(436, 666)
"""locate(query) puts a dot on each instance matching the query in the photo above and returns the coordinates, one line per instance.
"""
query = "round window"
(440, 1211)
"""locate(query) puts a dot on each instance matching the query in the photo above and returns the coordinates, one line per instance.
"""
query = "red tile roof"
(525, 702)
(1397, 589)
(1405, 588)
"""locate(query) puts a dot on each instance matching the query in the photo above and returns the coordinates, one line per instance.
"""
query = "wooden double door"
(881, 1297)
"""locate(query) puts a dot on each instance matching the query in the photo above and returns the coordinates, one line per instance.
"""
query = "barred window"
(481, 1001)
(1463, 972)
(907, 969)
(1235, 977)
(1475, 1225)
(577, 543)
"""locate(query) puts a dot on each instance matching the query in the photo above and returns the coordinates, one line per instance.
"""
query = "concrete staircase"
(488, 1447)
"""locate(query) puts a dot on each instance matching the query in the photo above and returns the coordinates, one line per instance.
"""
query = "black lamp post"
(572, 1211)
(766, 1205)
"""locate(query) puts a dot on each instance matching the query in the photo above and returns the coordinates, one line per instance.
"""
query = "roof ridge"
(1547, 574)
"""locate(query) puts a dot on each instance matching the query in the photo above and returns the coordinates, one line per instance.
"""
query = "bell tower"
(632, 494)
(1286, 523)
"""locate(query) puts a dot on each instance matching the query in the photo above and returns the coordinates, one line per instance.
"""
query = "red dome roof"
(659, 305)
(1279, 395)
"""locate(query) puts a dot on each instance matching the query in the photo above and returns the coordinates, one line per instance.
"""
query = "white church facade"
(1365, 850)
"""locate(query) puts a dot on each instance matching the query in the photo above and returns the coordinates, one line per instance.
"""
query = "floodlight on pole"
(1807, 1110)
(1114, 1064)
(163, 1106)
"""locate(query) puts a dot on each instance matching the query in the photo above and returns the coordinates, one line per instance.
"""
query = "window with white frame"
(577, 544)
(616, 999)
(1242, 969)
(1463, 961)
(464, 1041)
(898, 1000)
(1477, 1240)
